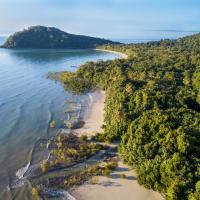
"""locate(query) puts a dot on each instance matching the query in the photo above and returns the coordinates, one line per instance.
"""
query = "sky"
(104, 18)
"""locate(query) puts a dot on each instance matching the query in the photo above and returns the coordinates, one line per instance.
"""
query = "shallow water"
(29, 101)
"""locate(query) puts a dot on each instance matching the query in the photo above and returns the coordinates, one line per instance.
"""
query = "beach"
(116, 188)
(121, 55)
(113, 187)
(94, 116)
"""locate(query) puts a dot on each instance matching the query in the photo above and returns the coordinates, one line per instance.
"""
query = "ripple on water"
(28, 101)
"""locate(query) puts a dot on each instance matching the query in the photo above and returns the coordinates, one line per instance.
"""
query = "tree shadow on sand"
(119, 171)
(118, 176)
(109, 183)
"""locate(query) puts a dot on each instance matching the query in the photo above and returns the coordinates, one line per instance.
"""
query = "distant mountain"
(40, 37)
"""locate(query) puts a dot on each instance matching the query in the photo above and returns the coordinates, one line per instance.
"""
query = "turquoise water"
(29, 101)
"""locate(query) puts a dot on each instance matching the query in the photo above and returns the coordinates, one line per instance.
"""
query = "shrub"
(36, 191)
(123, 176)
(66, 182)
(106, 173)
(52, 124)
(94, 180)
(44, 166)
(111, 165)
(83, 137)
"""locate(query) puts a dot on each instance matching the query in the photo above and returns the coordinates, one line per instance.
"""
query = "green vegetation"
(85, 174)
(83, 138)
(152, 106)
(40, 37)
(45, 166)
(94, 180)
(108, 168)
(68, 149)
(106, 173)
(52, 124)
(110, 165)
(123, 176)
(36, 192)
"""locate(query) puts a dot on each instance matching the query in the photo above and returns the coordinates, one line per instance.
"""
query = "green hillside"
(40, 37)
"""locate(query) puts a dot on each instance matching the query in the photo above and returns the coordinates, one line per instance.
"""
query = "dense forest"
(152, 107)
(40, 37)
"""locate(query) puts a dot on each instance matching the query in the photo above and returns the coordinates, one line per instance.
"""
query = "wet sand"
(94, 116)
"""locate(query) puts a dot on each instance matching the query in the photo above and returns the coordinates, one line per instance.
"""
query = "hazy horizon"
(149, 36)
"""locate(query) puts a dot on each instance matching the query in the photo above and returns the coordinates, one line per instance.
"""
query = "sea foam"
(20, 173)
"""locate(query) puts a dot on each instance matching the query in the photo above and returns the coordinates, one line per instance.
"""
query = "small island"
(41, 37)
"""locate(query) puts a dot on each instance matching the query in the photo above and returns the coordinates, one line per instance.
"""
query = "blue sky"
(104, 18)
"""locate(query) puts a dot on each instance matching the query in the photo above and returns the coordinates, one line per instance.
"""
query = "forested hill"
(51, 38)
(153, 107)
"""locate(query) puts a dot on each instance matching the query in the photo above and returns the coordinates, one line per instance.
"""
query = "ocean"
(29, 101)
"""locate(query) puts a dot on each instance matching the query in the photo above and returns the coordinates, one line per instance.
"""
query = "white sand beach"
(121, 55)
(116, 188)
(94, 116)
(113, 188)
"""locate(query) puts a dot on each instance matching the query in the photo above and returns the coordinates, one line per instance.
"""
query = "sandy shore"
(122, 55)
(113, 188)
(116, 188)
(94, 116)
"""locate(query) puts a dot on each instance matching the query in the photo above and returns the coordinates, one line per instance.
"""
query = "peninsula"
(41, 37)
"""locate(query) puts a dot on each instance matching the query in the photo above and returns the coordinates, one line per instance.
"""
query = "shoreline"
(94, 116)
(122, 55)
(113, 187)
(93, 124)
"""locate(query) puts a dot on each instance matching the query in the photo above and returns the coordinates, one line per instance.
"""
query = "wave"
(38, 90)
(63, 194)
(49, 119)
(88, 102)
(2, 103)
(20, 180)
(90, 97)
(24, 172)
(20, 173)
(67, 195)
(9, 131)
(19, 112)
